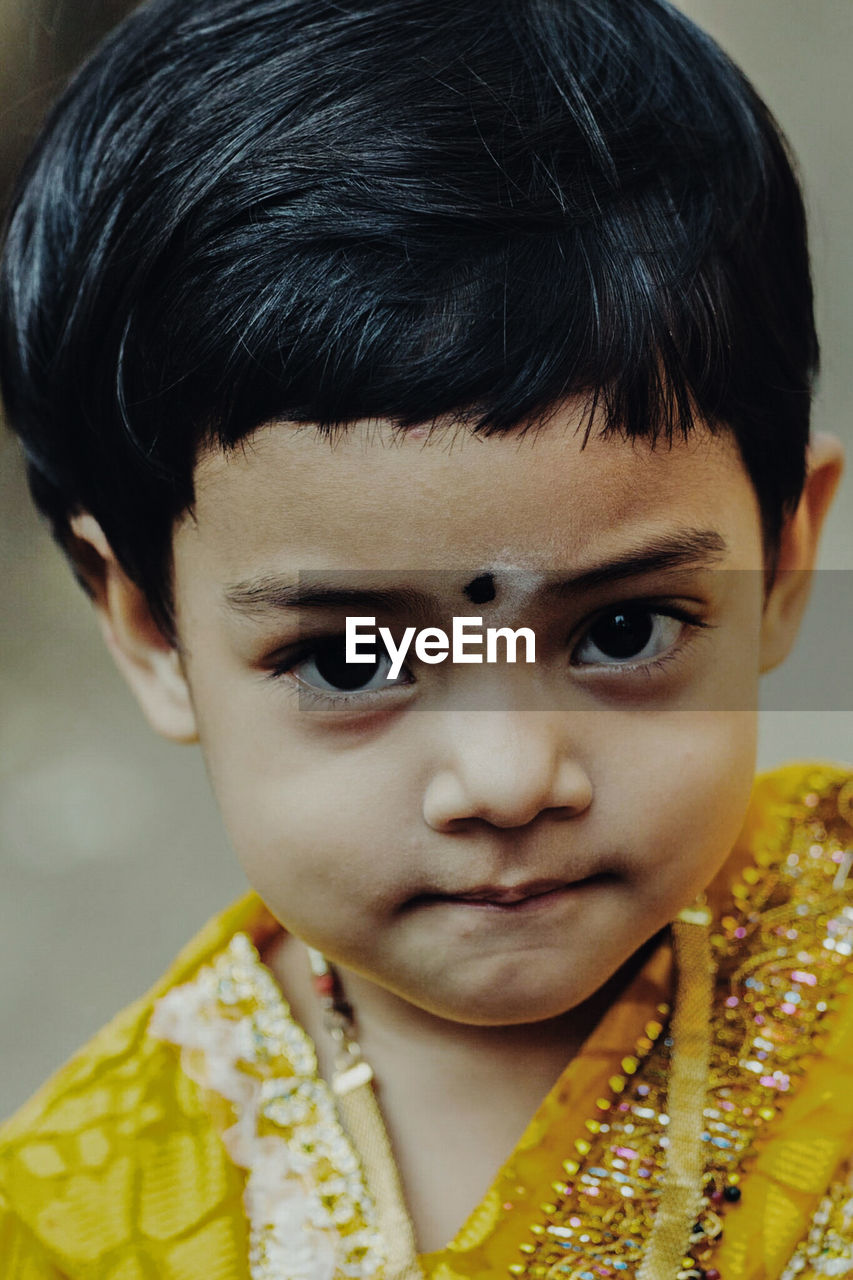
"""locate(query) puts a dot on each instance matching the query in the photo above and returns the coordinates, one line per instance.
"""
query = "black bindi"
(481, 589)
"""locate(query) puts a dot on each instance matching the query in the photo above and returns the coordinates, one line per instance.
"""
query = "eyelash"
(315, 697)
(331, 701)
(691, 625)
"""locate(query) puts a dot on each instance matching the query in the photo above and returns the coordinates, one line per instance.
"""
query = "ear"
(789, 594)
(149, 662)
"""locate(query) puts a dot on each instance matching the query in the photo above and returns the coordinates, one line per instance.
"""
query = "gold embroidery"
(781, 956)
(828, 1249)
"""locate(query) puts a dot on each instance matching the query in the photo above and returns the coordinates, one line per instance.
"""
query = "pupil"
(623, 635)
(329, 659)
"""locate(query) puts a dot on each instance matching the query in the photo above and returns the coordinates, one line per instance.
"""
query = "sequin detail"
(828, 1249)
(309, 1211)
(781, 954)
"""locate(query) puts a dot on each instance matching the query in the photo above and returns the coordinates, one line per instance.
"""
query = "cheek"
(683, 796)
(307, 822)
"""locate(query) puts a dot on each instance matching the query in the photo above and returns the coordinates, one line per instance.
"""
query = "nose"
(505, 768)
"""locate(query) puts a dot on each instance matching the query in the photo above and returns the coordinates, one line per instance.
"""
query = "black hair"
(329, 210)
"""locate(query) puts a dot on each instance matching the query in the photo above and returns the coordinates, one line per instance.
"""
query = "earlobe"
(789, 595)
(149, 662)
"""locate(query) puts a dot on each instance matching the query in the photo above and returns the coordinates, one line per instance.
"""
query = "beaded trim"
(780, 960)
(309, 1211)
(828, 1249)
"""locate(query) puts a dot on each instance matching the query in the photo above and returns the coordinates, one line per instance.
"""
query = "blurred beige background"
(111, 853)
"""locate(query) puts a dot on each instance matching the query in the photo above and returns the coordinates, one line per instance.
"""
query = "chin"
(498, 1007)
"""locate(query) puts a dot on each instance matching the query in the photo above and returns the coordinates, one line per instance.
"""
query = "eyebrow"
(270, 593)
(693, 548)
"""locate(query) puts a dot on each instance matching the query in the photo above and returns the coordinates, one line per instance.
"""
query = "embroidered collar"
(310, 1214)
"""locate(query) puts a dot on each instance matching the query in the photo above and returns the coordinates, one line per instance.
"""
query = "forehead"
(374, 498)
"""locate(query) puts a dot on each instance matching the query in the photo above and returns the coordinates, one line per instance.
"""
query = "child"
(418, 311)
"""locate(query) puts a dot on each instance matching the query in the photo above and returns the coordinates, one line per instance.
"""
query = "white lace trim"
(309, 1211)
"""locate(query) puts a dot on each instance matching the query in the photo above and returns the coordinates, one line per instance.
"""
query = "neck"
(397, 1037)
(454, 1097)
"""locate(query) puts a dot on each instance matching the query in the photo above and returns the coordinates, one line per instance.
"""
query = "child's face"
(618, 788)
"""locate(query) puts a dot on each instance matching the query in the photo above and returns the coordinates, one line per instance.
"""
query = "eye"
(323, 672)
(629, 635)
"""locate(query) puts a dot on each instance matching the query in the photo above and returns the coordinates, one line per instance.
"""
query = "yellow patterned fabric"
(117, 1168)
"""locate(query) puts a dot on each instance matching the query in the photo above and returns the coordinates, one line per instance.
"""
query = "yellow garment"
(116, 1169)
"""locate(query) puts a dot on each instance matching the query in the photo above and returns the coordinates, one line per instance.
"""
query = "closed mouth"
(504, 895)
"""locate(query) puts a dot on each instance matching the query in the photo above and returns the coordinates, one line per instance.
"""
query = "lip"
(509, 897)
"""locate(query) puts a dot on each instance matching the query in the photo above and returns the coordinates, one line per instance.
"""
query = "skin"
(360, 823)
